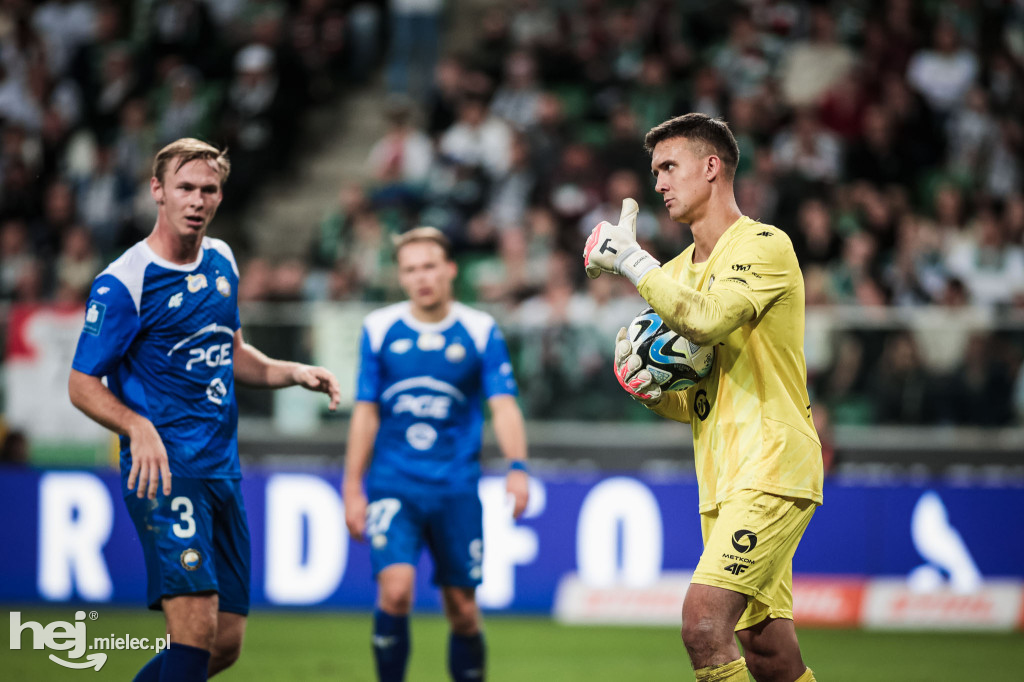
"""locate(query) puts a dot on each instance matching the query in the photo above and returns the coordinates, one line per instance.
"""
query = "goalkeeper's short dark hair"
(708, 135)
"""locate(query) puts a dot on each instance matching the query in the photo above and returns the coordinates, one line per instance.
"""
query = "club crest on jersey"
(223, 286)
(430, 341)
(191, 559)
(195, 282)
(455, 352)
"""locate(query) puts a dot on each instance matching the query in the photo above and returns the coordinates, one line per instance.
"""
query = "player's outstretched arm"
(149, 457)
(254, 368)
(362, 432)
(510, 432)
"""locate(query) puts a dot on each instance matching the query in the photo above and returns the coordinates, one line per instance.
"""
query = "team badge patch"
(223, 286)
(94, 314)
(195, 282)
(455, 352)
(191, 559)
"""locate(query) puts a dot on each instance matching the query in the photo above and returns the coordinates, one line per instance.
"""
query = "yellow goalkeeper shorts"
(749, 542)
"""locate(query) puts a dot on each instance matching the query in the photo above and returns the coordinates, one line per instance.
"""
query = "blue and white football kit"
(429, 382)
(163, 336)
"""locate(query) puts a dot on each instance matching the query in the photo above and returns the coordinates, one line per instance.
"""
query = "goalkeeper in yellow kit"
(757, 455)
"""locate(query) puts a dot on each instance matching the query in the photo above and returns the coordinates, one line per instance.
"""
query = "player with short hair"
(426, 366)
(162, 326)
(757, 455)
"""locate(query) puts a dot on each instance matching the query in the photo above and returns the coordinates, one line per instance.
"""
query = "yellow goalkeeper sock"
(733, 671)
(808, 676)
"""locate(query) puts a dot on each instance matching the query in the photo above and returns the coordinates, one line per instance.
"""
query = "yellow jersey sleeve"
(750, 416)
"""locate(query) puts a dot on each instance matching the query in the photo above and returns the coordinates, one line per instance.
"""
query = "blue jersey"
(163, 336)
(430, 381)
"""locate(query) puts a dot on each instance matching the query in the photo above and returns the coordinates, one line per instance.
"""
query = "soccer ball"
(674, 362)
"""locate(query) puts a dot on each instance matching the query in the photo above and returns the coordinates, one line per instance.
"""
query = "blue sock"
(151, 671)
(184, 663)
(390, 645)
(466, 657)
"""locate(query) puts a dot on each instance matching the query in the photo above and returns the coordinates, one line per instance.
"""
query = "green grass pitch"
(311, 646)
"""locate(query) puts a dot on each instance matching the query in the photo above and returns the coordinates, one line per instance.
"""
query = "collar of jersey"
(420, 326)
(164, 263)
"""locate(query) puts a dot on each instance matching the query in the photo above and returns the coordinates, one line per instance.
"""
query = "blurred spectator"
(16, 255)
(621, 184)
(104, 199)
(14, 451)
(808, 151)
(746, 58)
(184, 106)
(318, 39)
(991, 269)
(511, 194)
(945, 72)
(810, 67)
(516, 100)
(815, 242)
(415, 29)
(979, 391)
(401, 159)
(902, 390)
(255, 121)
(478, 139)
(77, 266)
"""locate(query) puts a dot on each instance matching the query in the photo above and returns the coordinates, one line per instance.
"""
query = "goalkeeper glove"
(636, 381)
(613, 248)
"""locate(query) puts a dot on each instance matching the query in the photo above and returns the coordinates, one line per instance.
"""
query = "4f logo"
(736, 568)
(606, 246)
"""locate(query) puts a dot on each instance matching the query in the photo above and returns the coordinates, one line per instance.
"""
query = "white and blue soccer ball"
(675, 363)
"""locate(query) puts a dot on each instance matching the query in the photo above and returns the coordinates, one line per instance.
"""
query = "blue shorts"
(451, 526)
(196, 540)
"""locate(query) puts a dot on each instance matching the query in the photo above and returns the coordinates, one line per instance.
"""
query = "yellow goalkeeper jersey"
(751, 415)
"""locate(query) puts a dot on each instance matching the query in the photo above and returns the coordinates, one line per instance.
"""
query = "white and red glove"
(633, 378)
(614, 249)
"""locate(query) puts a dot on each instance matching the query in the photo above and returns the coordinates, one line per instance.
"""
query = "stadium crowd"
(884, 136)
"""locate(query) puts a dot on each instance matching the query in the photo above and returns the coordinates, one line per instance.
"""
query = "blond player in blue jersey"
(757, 455)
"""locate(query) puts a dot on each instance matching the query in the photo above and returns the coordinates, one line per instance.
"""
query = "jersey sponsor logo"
(738, 280)
(429, 383)
(744, 540)
(195, 282)
(94, 314)
(740, 268)
(424, 406)
(175, 300)
(766, 233)
(421, 436)
(701, 405)
(223, 286)
(430, 341)
(455, 352)
(400, 346)
(735, 569)
(215, 355)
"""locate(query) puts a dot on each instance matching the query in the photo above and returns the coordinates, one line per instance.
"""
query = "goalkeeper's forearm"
(704, 319)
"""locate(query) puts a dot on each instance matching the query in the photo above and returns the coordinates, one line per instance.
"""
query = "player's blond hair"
(423, 234)
(188, 149)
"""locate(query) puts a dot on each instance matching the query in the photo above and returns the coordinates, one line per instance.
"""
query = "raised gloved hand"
(635, 380)
(613, 248)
